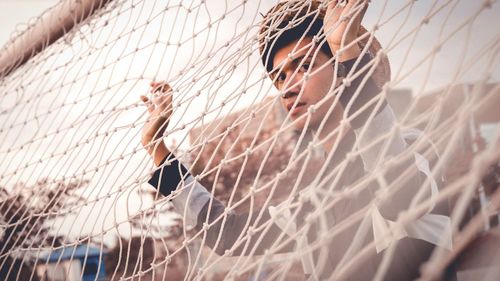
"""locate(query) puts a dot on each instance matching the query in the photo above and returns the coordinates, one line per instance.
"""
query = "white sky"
(155, 61)
(15, 14)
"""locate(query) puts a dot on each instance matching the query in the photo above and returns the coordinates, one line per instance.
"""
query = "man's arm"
(232, 228)
(341, 26)
(160, 110)
(361, 91)
(193, 200)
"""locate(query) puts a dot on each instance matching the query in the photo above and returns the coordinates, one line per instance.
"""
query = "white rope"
(73, 171)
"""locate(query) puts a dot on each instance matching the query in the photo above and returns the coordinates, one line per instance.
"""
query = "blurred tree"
(25, 211)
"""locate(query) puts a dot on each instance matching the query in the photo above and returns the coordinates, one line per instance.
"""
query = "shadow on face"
(304, 75)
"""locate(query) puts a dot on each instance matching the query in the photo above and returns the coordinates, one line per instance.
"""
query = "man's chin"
(299, 123)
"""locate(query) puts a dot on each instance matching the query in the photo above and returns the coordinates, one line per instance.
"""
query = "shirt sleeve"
(223, 234)
(188, 195)
(168, 176)
(361, 91)
(192, 200)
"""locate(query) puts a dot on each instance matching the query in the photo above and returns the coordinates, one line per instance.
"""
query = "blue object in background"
(91, 260)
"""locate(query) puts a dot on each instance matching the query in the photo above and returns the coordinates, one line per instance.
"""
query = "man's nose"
(292, 87)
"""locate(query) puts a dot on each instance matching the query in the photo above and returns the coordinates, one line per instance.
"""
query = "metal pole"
(46, 31)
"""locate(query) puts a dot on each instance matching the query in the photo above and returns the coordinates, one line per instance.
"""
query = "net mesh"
(75, 201)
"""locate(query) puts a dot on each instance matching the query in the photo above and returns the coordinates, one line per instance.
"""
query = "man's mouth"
(295, 110)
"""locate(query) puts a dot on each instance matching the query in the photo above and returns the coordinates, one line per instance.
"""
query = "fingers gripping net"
(74, 193)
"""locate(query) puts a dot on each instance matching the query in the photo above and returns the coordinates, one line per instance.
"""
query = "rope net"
(75, 199)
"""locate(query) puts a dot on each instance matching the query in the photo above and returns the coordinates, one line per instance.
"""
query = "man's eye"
(281, 77)
(279, 80)
(305, 66)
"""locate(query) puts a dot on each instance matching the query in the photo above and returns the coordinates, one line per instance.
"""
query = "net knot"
(310, 218)
(346, 82)
(251, 231)
(345, 18)
(303, 198)
(310, 146)
(205, 227)
(252, 191)
(201, 271)
(350, 156)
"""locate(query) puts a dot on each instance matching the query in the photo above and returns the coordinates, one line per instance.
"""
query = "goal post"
(60, 20)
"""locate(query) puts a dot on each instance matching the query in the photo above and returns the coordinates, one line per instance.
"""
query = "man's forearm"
(158, 152)
(193, 202)
(346, 54)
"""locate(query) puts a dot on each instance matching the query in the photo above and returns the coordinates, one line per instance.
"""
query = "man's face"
(290, 82)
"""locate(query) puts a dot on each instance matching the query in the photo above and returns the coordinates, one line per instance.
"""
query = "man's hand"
(160, 111)
(341, 26)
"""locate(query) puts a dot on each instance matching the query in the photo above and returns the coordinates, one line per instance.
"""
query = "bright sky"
(15, 14)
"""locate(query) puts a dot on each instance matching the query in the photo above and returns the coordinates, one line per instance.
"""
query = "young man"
(316, 62)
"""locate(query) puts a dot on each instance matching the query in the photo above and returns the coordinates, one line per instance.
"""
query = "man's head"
(296, 46)
(292, 43)
(288, 22)
(300, 94)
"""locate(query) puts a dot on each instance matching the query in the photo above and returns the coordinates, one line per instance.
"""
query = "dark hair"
(282, 26)
(291, 20)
